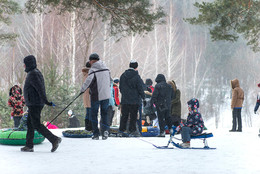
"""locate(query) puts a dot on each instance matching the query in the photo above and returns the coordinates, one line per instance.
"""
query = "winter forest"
(183, 52)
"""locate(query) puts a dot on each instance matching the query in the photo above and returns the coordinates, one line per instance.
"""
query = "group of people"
(101, 91)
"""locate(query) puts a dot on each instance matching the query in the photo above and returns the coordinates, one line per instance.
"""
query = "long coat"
(237, 94)
(86, 95)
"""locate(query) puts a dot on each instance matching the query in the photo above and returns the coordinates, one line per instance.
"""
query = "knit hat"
(116, 80)
(258, 85)
(94, 56)
(193, 103)
(133, 64)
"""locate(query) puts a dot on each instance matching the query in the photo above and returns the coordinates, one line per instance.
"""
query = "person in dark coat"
(35, 99)
(73, 120)
(162, 96)
(131, 88)
(175, 104)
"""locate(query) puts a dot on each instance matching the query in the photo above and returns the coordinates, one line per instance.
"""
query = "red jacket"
(116, 94)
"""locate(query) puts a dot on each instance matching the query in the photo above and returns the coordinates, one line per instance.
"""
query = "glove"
(50, 104)
(178, 128)
(144, 103)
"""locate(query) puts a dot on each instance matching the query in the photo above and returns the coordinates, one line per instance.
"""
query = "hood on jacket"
(130, 73)
(194, 104)
(15, 91)
(160, 78)
(235, 83)
(98, 66)
(30, 63)
(172, 83)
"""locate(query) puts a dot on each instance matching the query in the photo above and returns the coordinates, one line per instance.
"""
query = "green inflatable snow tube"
(15, 137)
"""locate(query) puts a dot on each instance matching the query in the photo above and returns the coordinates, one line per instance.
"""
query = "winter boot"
(26, 149)
(185, 145)
(95, 137)
(105, 135)
(55, 145)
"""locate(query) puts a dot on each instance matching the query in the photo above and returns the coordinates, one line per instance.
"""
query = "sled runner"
(202, 136)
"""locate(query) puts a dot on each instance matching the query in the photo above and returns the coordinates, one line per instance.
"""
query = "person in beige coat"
(236, 105)
(86, 99)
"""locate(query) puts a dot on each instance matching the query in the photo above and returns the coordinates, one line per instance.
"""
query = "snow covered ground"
(236, 153)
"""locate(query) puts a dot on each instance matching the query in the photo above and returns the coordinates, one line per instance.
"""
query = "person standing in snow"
(162, 96)
(194, 124)
(86, 99)
(175, 104)
(16, 102)
(111, 105)
(131, 88)
(257, 101)
(149, 109)
(98, 81)
(35, 99)
(236, 105)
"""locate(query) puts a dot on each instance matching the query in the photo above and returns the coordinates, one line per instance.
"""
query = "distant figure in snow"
(236, 105)
(16, 102)
(257, 101)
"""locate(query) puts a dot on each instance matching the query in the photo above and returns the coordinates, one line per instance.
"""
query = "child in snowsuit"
(16, 101)
(194, 124)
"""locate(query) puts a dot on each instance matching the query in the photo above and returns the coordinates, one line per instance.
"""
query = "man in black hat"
(98, 81)
(131, 88)
(35, 98)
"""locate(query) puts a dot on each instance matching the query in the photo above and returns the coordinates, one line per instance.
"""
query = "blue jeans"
(94, 115)
(88, 124)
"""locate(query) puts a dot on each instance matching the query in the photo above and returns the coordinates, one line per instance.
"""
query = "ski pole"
(64, 109)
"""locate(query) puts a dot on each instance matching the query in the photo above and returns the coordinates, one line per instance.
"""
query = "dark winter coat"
(34, 87)
(162, 94)
(131, 87)
(176, 100)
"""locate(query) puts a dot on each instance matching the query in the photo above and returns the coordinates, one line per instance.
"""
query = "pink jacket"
(51, 126)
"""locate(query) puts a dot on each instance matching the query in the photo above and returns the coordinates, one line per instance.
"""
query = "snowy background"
(236, 153)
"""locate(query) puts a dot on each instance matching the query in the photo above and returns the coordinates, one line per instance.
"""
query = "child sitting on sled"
(194, 124)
